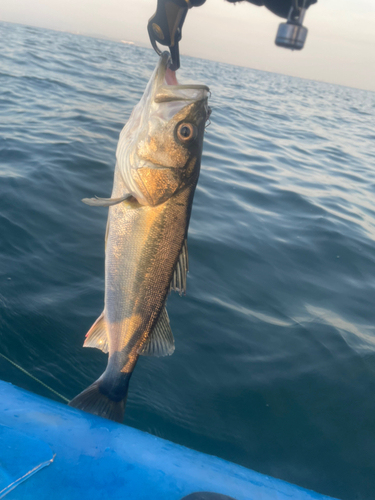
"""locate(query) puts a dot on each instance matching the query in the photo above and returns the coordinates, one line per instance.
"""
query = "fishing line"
(34, 378)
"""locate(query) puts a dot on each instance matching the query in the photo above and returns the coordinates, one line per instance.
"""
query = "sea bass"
(157, 168)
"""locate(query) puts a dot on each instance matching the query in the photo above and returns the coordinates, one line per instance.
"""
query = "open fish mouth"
(168, 89)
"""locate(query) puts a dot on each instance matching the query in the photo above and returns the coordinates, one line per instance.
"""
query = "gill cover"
(150, 171)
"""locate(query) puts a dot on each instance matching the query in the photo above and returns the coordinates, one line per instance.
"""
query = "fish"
(158, 160)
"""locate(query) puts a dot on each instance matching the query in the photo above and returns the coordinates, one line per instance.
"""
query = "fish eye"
(186, 132)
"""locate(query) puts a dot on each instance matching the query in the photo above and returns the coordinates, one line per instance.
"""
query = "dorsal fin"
(160, 342)
(178, 283)
(97, 336)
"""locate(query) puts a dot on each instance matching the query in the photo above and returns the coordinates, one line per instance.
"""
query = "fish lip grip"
(165, 26)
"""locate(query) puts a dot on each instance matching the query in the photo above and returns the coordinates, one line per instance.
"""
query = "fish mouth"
(147, 116)
(168, 89)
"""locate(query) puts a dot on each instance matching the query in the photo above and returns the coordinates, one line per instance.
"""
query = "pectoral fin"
(178, 283)
(97, 336)
(160, 341)
(104, 202)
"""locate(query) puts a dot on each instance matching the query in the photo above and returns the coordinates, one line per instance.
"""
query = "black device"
(292, 35)
(165, 26)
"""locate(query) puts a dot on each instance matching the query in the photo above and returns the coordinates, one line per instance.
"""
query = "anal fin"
(160, 341)
(97, 336)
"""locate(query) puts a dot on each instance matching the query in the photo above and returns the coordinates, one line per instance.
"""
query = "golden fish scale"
(143, 246)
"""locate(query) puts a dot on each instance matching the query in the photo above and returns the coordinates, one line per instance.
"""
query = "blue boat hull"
(49, 450)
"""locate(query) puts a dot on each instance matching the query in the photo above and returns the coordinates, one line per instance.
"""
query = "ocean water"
(274, 366)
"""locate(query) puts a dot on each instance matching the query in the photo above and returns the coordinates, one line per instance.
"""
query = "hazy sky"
(340, 46)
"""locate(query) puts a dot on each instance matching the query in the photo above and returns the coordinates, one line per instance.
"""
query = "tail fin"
(94, 401)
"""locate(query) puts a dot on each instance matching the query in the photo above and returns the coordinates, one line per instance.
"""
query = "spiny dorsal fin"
(178, 283)
(160, 341)
(104, 202)
(97, 336)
